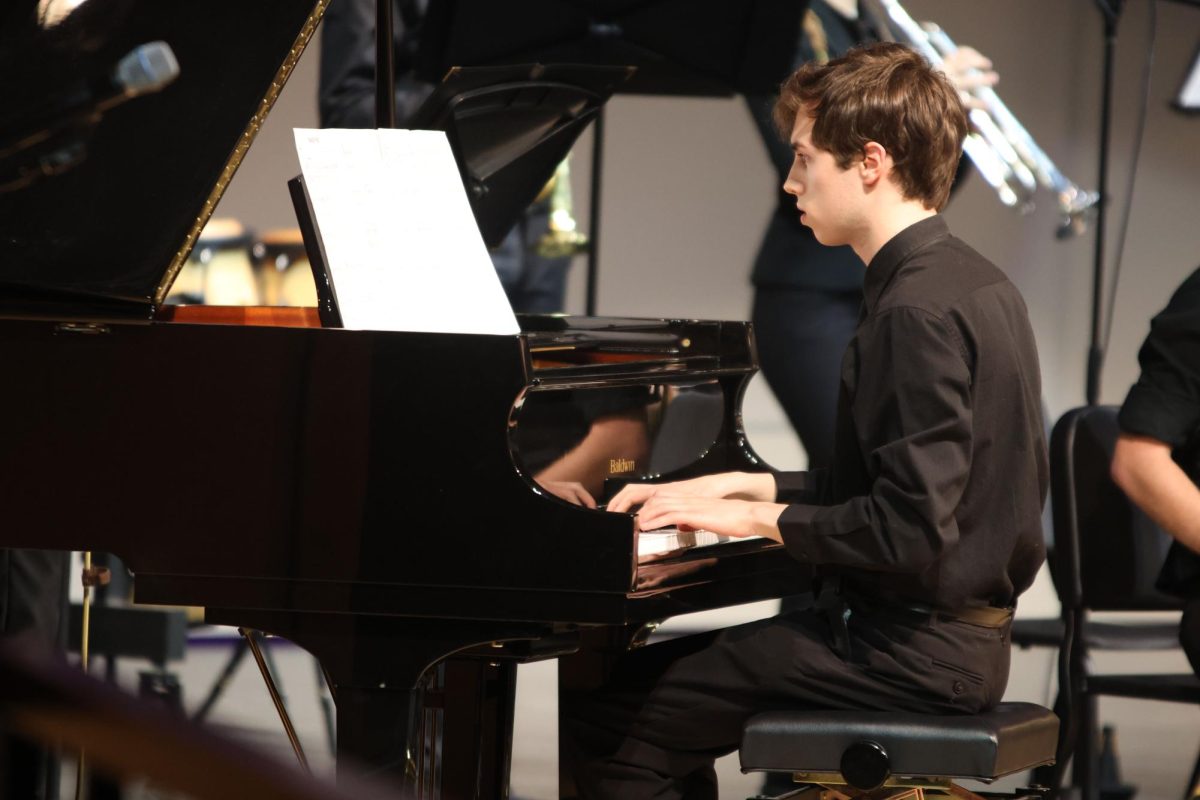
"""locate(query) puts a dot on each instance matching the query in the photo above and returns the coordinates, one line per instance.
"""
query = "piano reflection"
(317, 495)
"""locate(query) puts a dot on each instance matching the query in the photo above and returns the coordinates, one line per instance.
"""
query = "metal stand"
(240, 649)
(385, 68)
(593, 260)
(1111, 9)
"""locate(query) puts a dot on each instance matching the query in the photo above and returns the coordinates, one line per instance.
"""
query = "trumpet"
(561, 238)
(999, 146)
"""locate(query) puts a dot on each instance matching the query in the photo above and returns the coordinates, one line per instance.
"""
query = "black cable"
(1147, 74)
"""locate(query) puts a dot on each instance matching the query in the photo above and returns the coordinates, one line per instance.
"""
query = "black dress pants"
(670, 709)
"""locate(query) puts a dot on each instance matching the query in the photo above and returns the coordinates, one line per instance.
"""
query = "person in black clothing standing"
(1157, 457)
(806, 295)
(927, 525)
(535, 283)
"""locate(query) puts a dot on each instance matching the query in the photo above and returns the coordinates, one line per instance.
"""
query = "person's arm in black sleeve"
(1161, 413)
(913, 419)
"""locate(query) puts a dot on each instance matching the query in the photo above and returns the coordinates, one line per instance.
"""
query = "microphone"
(52, 138)
(145, 69)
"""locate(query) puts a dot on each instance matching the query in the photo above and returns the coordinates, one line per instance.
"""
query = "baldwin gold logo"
(619, 466)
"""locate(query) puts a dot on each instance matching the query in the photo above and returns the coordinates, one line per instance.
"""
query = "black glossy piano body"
(362, 493)
(359, 492)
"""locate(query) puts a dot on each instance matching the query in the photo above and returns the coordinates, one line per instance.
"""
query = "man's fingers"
(633, 494)
(967, 57)
(571, 492)
(969, 69)
(974, 80)
(620, 503)
(665, 511)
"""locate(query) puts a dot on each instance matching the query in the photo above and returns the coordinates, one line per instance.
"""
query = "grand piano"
(368, 495)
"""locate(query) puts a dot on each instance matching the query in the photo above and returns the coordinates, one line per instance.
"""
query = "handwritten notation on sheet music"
(401, 242)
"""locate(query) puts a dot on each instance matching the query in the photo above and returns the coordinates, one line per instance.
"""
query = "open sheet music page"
(401, 244)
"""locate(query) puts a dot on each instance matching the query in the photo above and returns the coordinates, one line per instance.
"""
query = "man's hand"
(571, 491)
(725, 517)
(744, 485)
(969, 69)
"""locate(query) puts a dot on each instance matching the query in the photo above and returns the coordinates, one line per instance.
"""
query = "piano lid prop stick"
(251, 637)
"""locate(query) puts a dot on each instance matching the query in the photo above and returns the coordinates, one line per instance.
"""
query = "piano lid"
(510, 127)
(107, 234)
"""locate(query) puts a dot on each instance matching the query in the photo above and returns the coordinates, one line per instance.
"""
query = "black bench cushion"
(1007, 739)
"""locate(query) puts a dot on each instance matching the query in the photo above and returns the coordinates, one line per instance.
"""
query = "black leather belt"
(838, 602)
(983, 616)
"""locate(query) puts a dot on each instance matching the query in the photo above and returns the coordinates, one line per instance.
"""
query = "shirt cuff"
(1159, 415)
(799, 487)
(795, 528)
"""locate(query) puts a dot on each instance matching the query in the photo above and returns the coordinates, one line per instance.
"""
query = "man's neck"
(886, 225)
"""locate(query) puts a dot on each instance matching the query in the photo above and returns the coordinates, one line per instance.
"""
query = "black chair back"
(1107, 553)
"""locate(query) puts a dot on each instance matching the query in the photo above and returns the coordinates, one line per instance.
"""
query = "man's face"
(826, 195)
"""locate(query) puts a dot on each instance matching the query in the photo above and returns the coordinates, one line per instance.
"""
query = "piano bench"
(841, 754)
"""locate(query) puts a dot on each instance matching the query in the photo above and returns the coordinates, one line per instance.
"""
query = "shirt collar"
(896, 251)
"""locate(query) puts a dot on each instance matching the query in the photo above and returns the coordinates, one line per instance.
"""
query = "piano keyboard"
(658, 544)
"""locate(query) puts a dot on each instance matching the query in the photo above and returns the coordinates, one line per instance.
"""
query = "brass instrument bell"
(562, 239)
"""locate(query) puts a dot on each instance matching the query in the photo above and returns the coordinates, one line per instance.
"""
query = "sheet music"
(401, 243)
(671, 540)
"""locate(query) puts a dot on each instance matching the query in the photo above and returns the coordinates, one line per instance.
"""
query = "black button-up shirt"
(939, 469)
(1165, 402)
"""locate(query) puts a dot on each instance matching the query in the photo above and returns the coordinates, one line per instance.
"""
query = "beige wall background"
(687, 188)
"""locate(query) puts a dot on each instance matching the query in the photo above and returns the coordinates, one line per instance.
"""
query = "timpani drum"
(283, 275)
(219, 270)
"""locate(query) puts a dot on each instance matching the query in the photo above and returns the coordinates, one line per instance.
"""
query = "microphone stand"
(385, 67)
(593, 255)
(1111, 10)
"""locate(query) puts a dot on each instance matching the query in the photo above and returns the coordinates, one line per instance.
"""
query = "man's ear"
(876, 163)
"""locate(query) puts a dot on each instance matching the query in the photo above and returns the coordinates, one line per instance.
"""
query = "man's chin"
(819, 236)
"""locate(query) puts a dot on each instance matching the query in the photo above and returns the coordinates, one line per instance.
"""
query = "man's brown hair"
(885, 93)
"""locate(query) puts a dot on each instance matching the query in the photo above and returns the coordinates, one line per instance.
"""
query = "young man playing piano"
(926, 526)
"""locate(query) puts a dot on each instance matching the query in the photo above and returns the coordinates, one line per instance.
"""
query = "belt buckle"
(836, 610)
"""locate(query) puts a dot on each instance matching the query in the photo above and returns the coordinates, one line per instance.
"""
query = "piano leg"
(408, 708)
(459, 724)
(583, 671)
(372, 729)
(478, 714)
